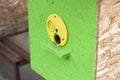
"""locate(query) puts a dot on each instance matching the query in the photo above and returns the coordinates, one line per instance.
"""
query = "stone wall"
(13, 16)
(108, 64)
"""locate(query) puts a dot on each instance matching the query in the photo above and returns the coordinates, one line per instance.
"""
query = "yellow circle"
(56, 29)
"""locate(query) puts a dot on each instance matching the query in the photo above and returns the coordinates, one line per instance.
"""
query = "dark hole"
(52, 2)
(56, 30)
(57, 39)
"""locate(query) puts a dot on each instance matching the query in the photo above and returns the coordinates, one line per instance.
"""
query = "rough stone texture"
(108, 67)
(13, 16)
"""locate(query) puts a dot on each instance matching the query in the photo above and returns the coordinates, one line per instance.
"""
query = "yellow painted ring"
(57, 30)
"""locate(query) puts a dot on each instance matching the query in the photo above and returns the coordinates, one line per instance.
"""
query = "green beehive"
(63, 38)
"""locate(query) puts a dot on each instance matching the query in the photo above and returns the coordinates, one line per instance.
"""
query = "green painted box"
(79, 17)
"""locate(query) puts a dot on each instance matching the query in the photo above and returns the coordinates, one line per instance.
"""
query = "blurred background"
(14, 59)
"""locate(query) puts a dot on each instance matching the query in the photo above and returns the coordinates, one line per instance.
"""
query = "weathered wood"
(12, 59)
(16, 61)
(108, 64)
(13, 16)
(16, 49)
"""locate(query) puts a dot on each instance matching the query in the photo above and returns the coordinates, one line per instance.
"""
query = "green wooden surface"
(80, 19)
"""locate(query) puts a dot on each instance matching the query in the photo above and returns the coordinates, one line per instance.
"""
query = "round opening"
(56, 30)
(55, 16)
(57, 39)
